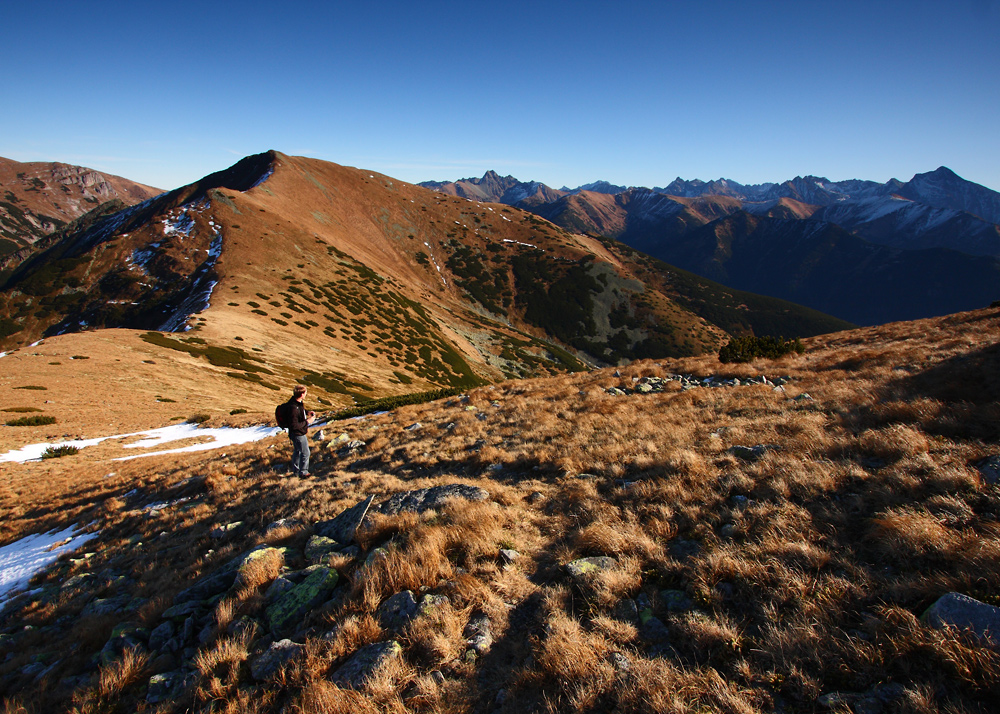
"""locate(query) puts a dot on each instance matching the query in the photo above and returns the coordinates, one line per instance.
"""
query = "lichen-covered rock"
(961, 612)
(588, 567)
(320, 548)
(426, 499)
(364, 663)
(274, 658)
(478, 634)
(222, 531)
(343, 527)
(255, 556)
(429, 603)
(397, 611)
(292, 606)
(168, 685)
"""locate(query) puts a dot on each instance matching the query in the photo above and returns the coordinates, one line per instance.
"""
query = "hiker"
(298, 424)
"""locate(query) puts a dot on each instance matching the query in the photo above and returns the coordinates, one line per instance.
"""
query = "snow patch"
(20, 560)
(262, 179)
(508, 240)
(224, 436)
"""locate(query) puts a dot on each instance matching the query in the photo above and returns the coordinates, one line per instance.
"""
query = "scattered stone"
(274, 658)
(355, 445)
(653, 630)
(675, 601)
(682, 549)
(508, 556)
(164, 686)
(161, 635)
(364, 663)
(338, 441)
(620, 662)
(426, 499)
(751, 453)
(438, 676)
(429, 603)
(961, 612)
(206, 587)
(76, 582)
(320, 548)
(345, 525)
(728, 530)
(804, 397)
(376, 554)
(283, 523)
(351, 552)
(626, 610)
(279, 586)
(415, 426)
(739, 501)
(224, 530)
(106, 606)
(535, 497)
(254, 556)
(241, 626)
(989, 470)
(185, 610)
(587, 567)
(397, 611)
(125, 636)
(293, 605)
(478, 634)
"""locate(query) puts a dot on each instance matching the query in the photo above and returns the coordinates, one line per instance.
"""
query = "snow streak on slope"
(20, 560)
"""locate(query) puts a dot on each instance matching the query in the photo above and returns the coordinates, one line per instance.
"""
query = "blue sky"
(635, 93)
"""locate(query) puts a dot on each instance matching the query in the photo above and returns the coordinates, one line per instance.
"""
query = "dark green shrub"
(54, 452)
(22, 410)
(198, 418)
(32, 421)
(238, 411)
(749, 348)
(32, 386)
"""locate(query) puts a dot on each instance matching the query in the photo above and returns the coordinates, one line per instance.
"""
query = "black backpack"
(283, 415)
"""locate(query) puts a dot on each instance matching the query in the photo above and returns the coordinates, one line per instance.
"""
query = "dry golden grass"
(807, 569)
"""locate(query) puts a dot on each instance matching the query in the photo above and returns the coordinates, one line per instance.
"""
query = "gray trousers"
(300, 453)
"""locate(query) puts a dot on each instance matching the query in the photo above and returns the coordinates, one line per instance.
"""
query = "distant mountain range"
(864, 251)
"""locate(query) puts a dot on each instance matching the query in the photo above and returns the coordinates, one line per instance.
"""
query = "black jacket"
(298, 425)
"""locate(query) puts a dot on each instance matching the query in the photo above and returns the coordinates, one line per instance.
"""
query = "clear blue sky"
(635, 93)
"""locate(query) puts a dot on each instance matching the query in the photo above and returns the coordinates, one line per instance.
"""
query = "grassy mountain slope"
(293, 267)
(783, 582)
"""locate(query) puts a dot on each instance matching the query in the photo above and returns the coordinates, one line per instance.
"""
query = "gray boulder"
(106, 606)
(426, 499)
(343, 527)
(274, 658)
(478, 634)
(161, 635)
(206, 587)
(963, 613)
(751, 453)
(397, 611)
(989, 470)
(364, 663)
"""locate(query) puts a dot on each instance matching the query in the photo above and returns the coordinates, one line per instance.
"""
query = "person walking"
(298, 426)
